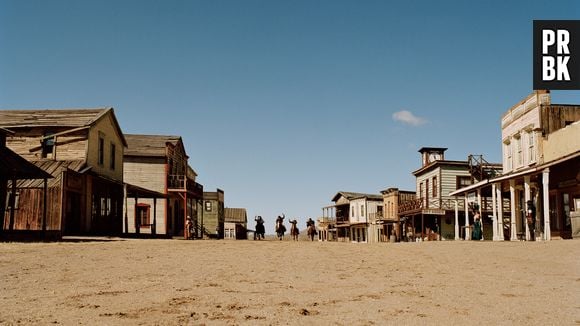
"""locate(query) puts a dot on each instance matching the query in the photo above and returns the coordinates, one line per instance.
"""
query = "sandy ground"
(297, 283)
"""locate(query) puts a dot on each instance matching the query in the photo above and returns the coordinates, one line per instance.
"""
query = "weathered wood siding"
(27, 144)
(146, 173)
(106, 128)
(29, 214)
(160, 209)
(427, 176)
(448, 182)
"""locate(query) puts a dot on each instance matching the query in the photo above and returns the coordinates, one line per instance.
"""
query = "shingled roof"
(59, 118)
(235, 215)
(51, 118)
(149, 145)
(356, 195)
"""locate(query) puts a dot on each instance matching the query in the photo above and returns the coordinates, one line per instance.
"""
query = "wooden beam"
(12, 201)
(44, 207)
(64, 132)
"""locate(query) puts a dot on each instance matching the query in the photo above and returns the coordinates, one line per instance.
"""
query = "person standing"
(476, 234)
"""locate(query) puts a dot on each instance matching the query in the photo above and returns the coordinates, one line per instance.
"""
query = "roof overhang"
(524, 172)
(135, 191)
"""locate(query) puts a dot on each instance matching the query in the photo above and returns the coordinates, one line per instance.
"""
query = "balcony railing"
(179, 181)
(176, 181)
(326, 220)
(419, 204)
(342, 219)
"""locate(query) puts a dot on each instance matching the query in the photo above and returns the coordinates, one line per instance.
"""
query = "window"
(509, 160)
(519, 151)
(208, 206)
(531, 150)
(142, 215)
(9, 198)
(362, 210)
(427, 188)
(352, 211)
(47, 145)
(380, 211)
(421, 190)
(112, 162)
(101, 150)
(434, 186)
(463, 181)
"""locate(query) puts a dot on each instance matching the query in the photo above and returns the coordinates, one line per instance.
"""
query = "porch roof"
(14, 166)
(516, 174)
(134, 191)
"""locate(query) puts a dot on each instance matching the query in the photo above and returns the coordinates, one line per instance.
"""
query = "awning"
(516, 174)
(134, 191)
(14, 166)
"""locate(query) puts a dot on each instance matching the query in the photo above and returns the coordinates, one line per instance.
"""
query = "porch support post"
(513, 231)
(527, 197)
(137, 217)
(12, 201)
(422, 226)
(126, 219)
(154, 227)
(480, 210)
(456, 220)
(499, 213)
(186, 215)
(493, 204)
(44, 207)
(467, 234)
(546, 203)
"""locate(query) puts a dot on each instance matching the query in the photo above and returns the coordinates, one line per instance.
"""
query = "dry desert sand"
(173, 282)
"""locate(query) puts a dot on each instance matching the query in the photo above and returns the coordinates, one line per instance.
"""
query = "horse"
(280, 228)
(312, 232)
(311, 229)
(260, 229)
(294, 232)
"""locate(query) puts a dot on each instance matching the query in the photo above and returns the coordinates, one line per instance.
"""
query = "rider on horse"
(311, 228)
(280, 228)
(260, 230)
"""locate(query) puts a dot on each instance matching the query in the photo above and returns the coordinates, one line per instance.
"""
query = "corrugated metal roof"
(51, 118)
(235, 215)
(54, 168)
(148, 145)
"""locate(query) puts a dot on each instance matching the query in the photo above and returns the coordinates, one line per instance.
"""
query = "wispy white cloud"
(407, 117)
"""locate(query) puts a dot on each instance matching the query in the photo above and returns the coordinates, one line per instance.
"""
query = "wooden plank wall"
(68, 147)
(28, 216)
(555, 117)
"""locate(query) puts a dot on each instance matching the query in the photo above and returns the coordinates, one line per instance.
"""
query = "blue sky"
(283, 103)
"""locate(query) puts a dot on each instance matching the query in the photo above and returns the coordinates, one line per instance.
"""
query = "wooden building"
(83, 150)
(392, 199)
(235, 224)
(435, 213)
(353, 217)
(326, 224)
(158, 163)
(541, 160)
(14, 168)
(213, 217)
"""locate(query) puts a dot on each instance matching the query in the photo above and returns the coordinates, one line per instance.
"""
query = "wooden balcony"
(437, 205)
(180, 183)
